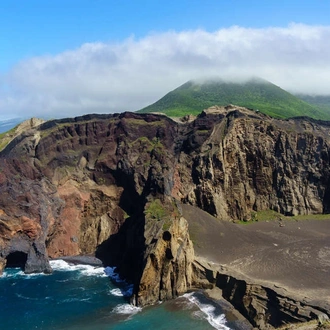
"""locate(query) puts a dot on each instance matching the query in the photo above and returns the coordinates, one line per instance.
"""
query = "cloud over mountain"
(112, 77)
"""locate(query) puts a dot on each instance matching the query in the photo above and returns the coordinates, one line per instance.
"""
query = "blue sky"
(35, 27)
(81, 40)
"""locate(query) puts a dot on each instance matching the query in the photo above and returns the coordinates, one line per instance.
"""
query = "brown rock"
(30, 227)
(86, 184)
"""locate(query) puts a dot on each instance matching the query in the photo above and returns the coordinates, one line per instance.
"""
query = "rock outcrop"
(266, 307)
(168, 259)
(110, 184)
(252, 162)
(7, 137)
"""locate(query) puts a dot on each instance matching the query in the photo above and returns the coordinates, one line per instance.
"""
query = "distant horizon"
(13, 120)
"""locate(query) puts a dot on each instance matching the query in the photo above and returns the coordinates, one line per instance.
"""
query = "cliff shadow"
(125, 249)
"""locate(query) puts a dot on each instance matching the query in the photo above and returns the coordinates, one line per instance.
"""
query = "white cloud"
(100, 77)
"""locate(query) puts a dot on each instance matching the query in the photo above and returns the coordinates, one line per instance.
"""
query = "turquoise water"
(85, 297)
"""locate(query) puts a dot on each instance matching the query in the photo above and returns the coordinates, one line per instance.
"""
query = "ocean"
(88, 297)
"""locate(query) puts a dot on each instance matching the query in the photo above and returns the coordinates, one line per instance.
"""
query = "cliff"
(273, 272)
(110, 185)
(266, 307)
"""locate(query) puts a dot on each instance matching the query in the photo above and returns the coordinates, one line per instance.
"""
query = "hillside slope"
(192, 97)
(322, 101)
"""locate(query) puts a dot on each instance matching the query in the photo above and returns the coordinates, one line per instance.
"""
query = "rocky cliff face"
(109, 183)
(252, 162)
(266, 307)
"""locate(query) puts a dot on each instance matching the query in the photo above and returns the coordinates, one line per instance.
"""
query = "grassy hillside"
(323, 102)
(193, 97)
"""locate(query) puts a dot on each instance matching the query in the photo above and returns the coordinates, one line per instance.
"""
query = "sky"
(66, 58)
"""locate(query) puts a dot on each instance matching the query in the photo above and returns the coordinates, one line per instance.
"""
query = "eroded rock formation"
(266, 307)
(109, 183)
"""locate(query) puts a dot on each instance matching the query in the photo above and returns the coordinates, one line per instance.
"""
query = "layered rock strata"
(110, 184)
(266, 307)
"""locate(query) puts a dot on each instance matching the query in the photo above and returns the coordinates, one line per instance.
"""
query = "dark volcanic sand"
(294, 256)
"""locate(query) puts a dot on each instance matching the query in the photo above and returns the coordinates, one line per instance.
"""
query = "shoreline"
(213, 296)
(231, 313)
(82, 260)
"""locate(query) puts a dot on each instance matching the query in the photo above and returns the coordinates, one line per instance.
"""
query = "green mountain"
(322, 101)
(192, 97)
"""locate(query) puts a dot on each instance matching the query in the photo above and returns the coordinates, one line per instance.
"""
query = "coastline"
(81, 259)
(274, 272)
(209, 296)
(231, 313)
(279, 266)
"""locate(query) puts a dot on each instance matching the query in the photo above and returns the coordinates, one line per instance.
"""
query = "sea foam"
(17, 273)
(126, 309)
(87, 270)
(116, 292)
(124, 289)
(217, 321)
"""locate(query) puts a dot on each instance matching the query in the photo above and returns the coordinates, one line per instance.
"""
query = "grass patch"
(267, 215)
(167, 224)
(142, 142)
(7, 137)
(141, 121)
(155, 210)
(162, 212)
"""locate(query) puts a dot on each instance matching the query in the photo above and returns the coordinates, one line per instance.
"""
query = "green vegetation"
(141, 121)
(167, 224)
(163, 213)
(257, 94)
(6, 137)
(155, 210)
(153, 148)
(143, 142)
(267, 215)
(322, 101)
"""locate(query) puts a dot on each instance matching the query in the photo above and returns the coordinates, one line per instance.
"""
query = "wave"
(93, 271)
(61, 265)
(63, 281)
(87, 270)
(126, 309)
(125, 291)
(17, 273)
(74, 299)
(216, 320)
(25, 297)
(117, 292)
